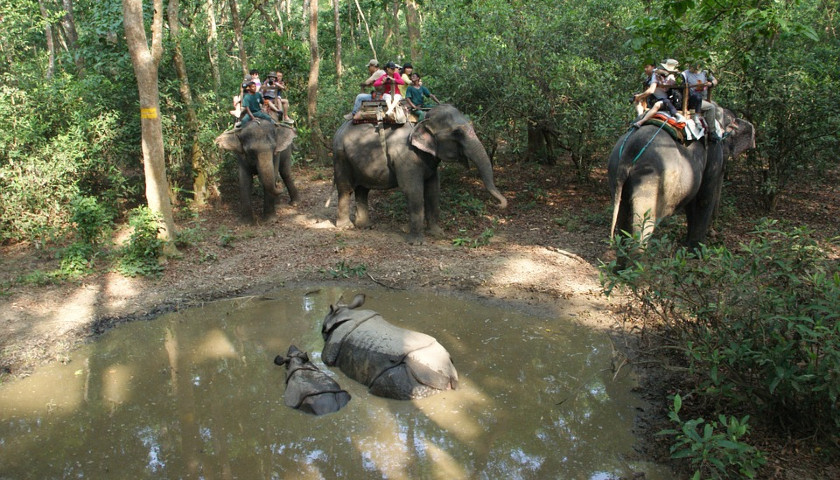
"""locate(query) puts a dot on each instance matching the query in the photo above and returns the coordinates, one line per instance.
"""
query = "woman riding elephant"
(367, 156)
(651, 176)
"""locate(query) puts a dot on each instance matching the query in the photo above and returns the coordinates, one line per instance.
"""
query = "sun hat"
(271, 75)
(671, 65)
(373, 63)
(390, 65)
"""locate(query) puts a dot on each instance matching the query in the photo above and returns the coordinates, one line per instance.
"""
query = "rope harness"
(621, 148)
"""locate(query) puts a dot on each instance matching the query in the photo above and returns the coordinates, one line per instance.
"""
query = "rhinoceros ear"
(357, 302)
(284, 135)
(229, 141)
(280, 360)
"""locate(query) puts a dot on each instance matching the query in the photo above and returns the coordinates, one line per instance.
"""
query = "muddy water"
(195, 394)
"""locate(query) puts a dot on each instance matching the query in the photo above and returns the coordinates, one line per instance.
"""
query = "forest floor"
(543, 249)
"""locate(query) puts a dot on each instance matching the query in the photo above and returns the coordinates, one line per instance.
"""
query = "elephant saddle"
(375, 112)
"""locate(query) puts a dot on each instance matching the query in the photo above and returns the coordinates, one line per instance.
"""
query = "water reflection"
(195, 394)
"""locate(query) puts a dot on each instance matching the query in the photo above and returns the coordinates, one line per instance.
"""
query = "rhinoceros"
(307, 387)
(391, 361)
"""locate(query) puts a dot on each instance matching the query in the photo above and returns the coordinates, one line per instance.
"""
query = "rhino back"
(305, 384)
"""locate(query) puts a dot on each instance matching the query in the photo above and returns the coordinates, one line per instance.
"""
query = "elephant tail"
(622, 176)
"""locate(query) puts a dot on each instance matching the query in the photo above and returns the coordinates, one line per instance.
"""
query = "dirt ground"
(544, 249)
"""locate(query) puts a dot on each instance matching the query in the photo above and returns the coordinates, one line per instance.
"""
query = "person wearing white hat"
(662, 81)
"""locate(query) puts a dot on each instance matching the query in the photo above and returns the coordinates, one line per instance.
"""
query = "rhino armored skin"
(391, 361)
(308, 388)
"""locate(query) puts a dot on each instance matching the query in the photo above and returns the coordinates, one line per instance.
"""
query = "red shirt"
(390, 88)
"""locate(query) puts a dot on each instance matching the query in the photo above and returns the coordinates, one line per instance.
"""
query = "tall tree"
(146, 61)
(196, 154)
(237, 31)
(312, 90)
(213, 45)
(367, 28)
(412, 23)
(48, 31)
(68, 23)
(339, 70)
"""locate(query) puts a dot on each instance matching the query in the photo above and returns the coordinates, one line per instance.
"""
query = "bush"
(757, 326)
(140, 255)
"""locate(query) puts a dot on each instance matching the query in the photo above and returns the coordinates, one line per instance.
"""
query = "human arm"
(379, 81)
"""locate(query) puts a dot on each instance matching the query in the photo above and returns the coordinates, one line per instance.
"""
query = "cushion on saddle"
(674, 128)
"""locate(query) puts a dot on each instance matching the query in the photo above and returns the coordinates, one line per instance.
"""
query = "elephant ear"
(229, 141)
(423, 138)
(284, 135)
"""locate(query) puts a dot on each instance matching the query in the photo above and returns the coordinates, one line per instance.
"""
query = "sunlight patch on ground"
(77, 309)
(550, 268)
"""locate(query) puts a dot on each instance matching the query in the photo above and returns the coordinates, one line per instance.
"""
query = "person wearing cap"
(390, 82)
(657, 92)
(405, 72)
(252, 105)
(270, 91)
(281, 98)
(375, 72)
(699, 82)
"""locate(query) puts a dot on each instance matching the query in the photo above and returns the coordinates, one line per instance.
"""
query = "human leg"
(651, 112)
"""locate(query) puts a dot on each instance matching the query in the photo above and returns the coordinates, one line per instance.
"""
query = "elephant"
(391, 361)
(263, 149)
(307, 387)
(382, 157)
(652, 176)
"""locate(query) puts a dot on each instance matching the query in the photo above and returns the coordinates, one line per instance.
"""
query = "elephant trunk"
(268, 173)
(475, 152)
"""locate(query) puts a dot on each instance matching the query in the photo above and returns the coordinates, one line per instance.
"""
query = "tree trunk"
(388, 25)
(352, 25)
(145, 62)
(48, 31)
(412, 22)
(237, 31)
(196, 154)
(312, 91)
(69, 24)
(339, 70)
(367, 28)
(213, 46)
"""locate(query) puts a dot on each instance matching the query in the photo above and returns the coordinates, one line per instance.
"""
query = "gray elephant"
(308, 388)
(367, 156)
(651, 176)
(262, 149)
(391, 361)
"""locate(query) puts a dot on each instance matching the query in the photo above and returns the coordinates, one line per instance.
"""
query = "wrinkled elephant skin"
(265, 150)
(309, 389)
(651, 176)
(369, 157)
(392, 362)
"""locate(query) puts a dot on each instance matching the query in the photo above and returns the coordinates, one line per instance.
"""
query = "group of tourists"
(392, 85)
(656, 97)
(259, 100)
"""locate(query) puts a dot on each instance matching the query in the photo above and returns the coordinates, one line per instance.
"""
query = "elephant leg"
(285, 169)
(343, 211)
(700, 212)
(414, 198)
(362, 210)
(431, 199)
(644, 207)
(269, 206)
(245, 182)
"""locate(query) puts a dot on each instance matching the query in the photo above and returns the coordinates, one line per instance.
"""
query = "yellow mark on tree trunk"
(148, 113)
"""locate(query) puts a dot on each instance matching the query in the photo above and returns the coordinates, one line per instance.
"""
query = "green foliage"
(480, 241)
(140, 255)
(759, 325)
(91, 219)
(344, 269)
(714, 449)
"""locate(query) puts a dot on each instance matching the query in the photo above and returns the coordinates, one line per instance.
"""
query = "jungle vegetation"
(548, 81)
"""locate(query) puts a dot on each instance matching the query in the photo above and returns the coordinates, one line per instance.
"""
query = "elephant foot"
(293, 203)
(415, 240)
(363, 224)
(343, 224)
(435, 231)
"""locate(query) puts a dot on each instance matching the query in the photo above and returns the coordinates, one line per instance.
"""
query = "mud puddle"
(194, 394)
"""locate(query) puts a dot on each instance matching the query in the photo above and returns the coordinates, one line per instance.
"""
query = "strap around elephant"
(620, 149)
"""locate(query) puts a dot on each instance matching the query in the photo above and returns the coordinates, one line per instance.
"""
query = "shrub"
(757, 325)
(140, 255)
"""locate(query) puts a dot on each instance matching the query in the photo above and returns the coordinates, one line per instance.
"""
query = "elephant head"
(259, 143)
(739, 135)
(448, 135)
